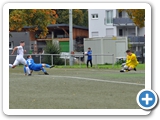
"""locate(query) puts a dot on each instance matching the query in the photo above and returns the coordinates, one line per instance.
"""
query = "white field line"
(100, 70)
(99, 80)
(89, 79)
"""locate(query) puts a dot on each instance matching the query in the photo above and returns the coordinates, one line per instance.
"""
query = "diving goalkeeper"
(131, 62)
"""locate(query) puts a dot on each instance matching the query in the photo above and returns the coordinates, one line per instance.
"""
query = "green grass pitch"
(75, 88)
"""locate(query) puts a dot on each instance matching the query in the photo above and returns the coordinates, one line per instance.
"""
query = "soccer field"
(73, 88)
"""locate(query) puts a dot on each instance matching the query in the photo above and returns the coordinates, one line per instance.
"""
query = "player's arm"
(24, 51)
(89, 53)
(15, 48)
(132, 59)
(127, 61)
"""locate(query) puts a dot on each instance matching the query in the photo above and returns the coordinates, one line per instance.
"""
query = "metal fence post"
(52, 59)
(65, 60)
(112, 60)
(40, 58)
(96, 61)
(79, 62)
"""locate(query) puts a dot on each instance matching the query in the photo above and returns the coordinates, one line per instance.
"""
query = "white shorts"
(19, 60)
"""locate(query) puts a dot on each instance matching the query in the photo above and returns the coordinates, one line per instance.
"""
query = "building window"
(10, 45)
(95, 34)
(109, 16)
(94, 16)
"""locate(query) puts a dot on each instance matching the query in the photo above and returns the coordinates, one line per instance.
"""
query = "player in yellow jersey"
(131, 62)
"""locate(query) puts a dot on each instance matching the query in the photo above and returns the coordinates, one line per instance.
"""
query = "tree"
(36, 19)
(10, 10)
(85, 21)
(79, 16)
(137, 15)
(53, 49)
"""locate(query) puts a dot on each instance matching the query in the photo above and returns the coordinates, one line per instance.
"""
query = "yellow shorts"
(132, 66)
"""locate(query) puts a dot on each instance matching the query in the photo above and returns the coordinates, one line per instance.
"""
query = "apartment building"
(111, 22)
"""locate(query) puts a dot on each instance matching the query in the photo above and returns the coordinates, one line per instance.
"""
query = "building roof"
(63, 25)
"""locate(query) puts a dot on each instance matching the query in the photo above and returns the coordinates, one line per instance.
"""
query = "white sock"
(28, 70)
(10, 65)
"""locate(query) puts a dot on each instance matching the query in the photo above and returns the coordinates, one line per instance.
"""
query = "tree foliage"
(80, 17)
(137, 15)
(36, 19)
(53, 49)
(85, 22)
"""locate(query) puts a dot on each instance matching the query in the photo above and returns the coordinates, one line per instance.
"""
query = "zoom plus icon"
(147, 99)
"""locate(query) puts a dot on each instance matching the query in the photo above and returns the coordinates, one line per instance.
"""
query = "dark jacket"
(89, 53)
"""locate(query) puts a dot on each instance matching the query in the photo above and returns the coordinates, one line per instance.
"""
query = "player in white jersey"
(19, 58)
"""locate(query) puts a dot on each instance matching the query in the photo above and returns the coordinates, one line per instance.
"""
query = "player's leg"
(131, 67)
(39, 67)
(28, 70)
(47, 66)
(23, 61)
(44, 71)
(135, 69)
(10, 65)
(128, 68)
(124, 68)
(16, 62)
(87, 63)
(24, 69)
(91, 62)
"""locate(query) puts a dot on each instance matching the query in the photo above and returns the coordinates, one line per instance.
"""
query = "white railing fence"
(77, 58)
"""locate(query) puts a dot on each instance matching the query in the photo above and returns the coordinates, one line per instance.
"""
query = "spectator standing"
(89, 59)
